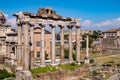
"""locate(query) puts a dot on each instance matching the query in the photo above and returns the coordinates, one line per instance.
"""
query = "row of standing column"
(62, 45)
(77, 44)
(25, 54)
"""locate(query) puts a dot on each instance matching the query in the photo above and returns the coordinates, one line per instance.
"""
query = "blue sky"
(94, 14)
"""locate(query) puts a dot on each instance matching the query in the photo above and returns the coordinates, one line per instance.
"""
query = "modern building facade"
(111, 39)
(37, 43)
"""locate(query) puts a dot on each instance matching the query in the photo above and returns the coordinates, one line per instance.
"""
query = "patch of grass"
(4, 74)
(71, 66)
(43, 69)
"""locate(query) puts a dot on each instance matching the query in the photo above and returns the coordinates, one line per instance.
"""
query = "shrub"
(82, 62)
(66, 53)
(73, 64)
(91, 60)
(118, 64)
(74, 56)
(94, 73)
(107, 64)
(85, 58)
(4, 74)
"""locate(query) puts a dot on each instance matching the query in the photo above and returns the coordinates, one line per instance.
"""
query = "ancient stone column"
(43, 45)
(62, 44)
(87, 49)
(32, 45)
(78, 44)
(53, 46)
(26, 46)
(19, 47)
(70, 44)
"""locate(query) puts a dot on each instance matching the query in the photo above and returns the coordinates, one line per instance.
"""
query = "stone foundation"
(23, 75)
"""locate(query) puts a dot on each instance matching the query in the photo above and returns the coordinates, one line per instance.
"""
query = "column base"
(42, 65)
(79, 63)
(27, 75)
(62, 63)
(70, 61)
(18, 73)
(53, 64)
(87, 61)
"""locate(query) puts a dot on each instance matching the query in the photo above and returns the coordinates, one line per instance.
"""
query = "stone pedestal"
(27, 75)
(19, 73)
(86, 61)
(23, 75)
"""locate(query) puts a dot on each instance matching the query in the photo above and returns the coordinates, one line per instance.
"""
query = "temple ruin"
(45, 17)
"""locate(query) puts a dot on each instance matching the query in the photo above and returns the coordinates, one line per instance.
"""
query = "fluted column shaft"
(32, 45)
(78, 44)
(19, 47)
(26, 46)
(62, 44)
(43, 45)
(53, 46)
(70, 44)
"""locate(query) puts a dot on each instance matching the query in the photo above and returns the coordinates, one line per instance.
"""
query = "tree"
(92, 37)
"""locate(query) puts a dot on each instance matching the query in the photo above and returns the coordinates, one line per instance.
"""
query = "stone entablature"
(46, 20)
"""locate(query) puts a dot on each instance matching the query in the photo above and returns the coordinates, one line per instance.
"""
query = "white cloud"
(6, 16)
(101, 25)
(86, 23)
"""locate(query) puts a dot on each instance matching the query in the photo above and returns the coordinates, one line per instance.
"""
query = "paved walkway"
(114, 77)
